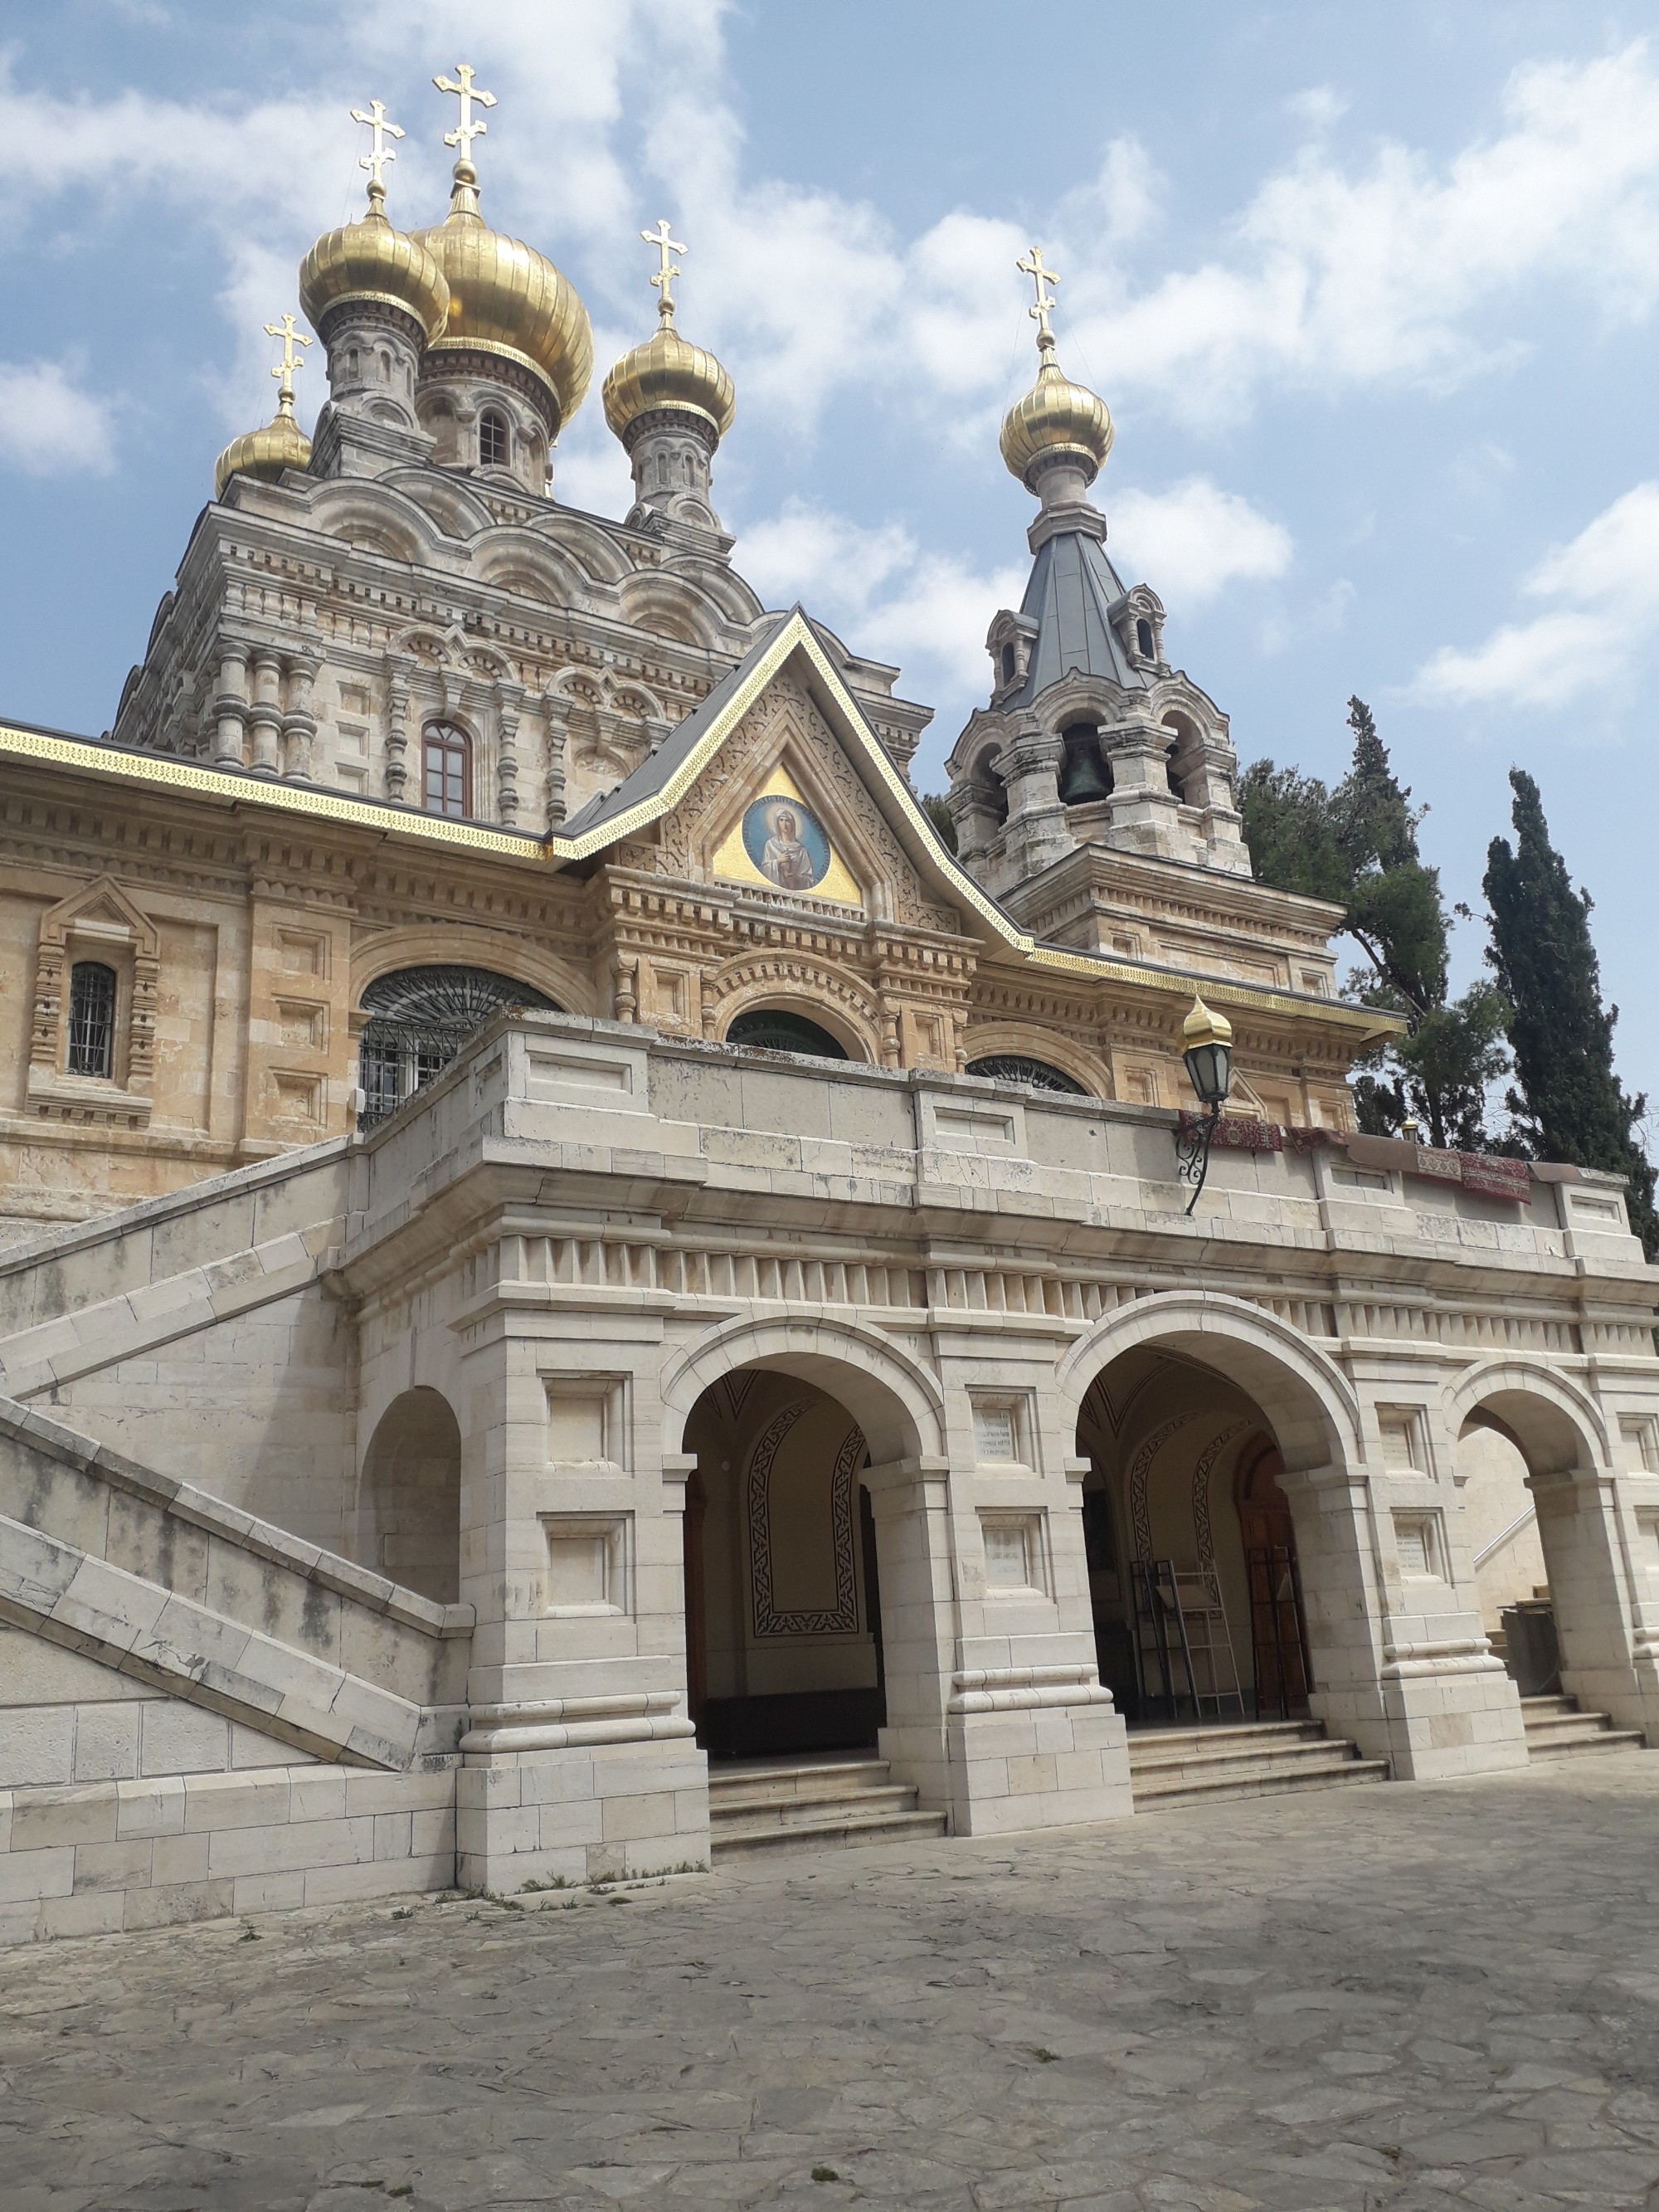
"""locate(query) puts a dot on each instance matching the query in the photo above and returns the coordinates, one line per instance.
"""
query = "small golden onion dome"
(1056, 417)
(1201, 1027)
(281, 444)
(370, 260)
(505, 298)
(668, 372)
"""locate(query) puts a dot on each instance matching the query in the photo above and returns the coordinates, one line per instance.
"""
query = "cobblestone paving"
(1390, 1997)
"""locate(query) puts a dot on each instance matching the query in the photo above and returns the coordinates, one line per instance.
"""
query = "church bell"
(1083, 774)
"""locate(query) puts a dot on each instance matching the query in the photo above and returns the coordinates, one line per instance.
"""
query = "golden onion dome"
(668, 372)
(281, 444)
(370, 260)
(505, 298)
(1056, 417)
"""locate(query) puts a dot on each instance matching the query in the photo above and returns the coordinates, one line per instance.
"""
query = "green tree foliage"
(934, 806)
(1357, 847)
(1569, 1105)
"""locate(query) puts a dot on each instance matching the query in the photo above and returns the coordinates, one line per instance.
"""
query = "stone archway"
(793, 1426)
(409, 1496)
(1609, 1659)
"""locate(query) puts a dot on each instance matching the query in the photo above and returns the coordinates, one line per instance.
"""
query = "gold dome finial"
(1032, 267)
(461, 137)
(667, 372)
(1057, 421)
(663, 277)
(369, 260)
(505, 298)
(280, 444)
(283, 371)
(379, 153)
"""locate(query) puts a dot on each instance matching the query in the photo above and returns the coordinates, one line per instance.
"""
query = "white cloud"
(1604, 618)
(890, 598)
(48, 426)
(1191, 541)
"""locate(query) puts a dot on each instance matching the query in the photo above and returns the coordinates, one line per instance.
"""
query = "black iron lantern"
(1207, 1040)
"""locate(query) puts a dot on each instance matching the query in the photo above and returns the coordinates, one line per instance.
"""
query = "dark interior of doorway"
(794, 1724)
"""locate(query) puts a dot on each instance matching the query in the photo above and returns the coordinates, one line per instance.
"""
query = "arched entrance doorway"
(409, 1497)
(1550, 1446)
(784, 1650)
(1194, 1576)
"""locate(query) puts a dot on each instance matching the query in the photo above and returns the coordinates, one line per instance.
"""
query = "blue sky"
(1370, 290)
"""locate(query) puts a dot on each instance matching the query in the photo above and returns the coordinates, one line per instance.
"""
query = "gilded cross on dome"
(462, 136)
(664, 277)
(291, 361)
(1032, 267)
(379, 153)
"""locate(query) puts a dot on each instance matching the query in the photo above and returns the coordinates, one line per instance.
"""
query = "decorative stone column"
(265, 714)
(1036, 836)
(299, 723)
(556, 710)
(509, 700)
(397, 729)
(1144, 810)
(230, 709)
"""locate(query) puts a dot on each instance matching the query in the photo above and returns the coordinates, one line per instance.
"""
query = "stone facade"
(552, 1229)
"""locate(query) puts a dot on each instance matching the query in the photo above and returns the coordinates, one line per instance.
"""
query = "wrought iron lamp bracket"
(1192, 1143)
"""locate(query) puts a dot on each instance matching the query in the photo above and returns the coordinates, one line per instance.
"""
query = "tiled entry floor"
(1379, 2000)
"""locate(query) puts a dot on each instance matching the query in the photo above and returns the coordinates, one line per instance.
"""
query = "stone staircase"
(810, 1804)
(1184, 1766)
(1556, 1728)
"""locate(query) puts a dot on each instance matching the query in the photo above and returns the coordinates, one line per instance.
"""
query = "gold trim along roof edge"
(795, 634)
(160, 770)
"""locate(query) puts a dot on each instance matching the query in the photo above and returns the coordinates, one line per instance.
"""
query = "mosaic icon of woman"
(784, 858)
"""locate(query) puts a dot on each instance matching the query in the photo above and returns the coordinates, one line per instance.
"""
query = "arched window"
(1009, 664)
(1015, 1068)
(419, 1019)
(774, 1029)
(92, 1019)
(1172, 774)
(492, 438)
(447, 769)
(1145, 640)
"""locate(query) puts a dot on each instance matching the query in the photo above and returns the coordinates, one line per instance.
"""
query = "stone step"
(1558, 1727)
(1259, 1782)
(1279, 1752)
(1609, 1739)
(772, 1781)
(1246, 1732)
(726, 1814)
(828, 1831)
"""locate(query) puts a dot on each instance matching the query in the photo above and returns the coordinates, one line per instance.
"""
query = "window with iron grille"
(418, 1020)
(92, 1019)
(492, 440)
(446, 785)
(1015, 1068)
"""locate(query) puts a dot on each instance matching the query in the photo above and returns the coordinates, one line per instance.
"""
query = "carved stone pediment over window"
(613, 726)
(105, 1074)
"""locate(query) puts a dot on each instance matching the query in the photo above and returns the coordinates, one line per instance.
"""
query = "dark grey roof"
(1073, 585)
(649, 777)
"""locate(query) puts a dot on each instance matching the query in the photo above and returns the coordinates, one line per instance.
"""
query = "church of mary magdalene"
(577, 1290)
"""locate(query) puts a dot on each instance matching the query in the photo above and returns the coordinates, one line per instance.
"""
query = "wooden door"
(1278, 1634)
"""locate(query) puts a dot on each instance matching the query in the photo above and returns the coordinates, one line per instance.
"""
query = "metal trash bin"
(1533, 1655)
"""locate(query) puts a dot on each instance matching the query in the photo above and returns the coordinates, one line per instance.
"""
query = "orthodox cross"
(290, 362)
(664, 276)
(1032, 267)
(379, 153)
(461, 138)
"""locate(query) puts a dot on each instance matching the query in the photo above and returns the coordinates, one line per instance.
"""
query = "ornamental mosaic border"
(842, 1618)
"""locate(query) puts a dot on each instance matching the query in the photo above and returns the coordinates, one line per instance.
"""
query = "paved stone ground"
(1395, 1998)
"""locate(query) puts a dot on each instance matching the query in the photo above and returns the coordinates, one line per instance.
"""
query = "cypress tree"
(1570, 1104)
